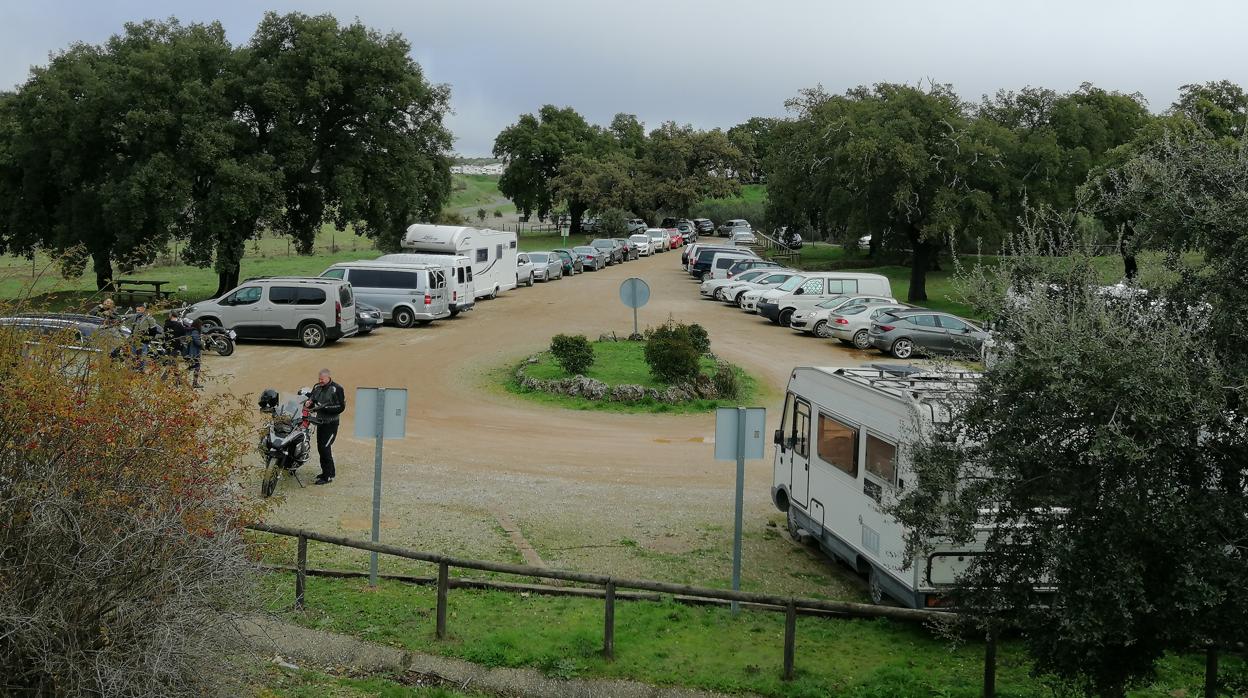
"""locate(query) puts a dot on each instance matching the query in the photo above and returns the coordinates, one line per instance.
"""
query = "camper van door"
(795, 448)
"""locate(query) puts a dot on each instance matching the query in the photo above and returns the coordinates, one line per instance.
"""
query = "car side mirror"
(778, 437)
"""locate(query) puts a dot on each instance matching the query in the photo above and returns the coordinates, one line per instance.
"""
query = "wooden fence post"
(608, 630)
(790, 633)
(1211, 672)
(301, 571)
(990, 665)
(444, 573)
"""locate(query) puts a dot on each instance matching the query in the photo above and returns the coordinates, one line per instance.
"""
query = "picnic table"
(139, 290)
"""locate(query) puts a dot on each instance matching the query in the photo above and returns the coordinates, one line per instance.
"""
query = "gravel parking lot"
(635, 495)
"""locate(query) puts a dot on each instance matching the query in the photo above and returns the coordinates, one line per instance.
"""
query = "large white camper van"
(458, 275)
(839, 452)
(493, 252)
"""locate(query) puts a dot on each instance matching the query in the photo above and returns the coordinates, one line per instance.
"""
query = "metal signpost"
(739, 435)
(380, 413)
(635, 293)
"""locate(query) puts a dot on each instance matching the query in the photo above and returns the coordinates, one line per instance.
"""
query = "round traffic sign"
(634, 292)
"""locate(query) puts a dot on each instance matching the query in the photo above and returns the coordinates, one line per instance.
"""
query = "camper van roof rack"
(909, 381)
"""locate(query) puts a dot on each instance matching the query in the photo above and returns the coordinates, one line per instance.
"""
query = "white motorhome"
(458, 275)
(493, 253)
(840, 451)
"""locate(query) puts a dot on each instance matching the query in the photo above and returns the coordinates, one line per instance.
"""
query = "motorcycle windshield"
(292, 409)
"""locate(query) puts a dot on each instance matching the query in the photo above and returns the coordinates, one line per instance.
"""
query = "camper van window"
(498, 251)
(881, 459)
(801, 429)
(459, 275)
(814, 287)
(511, 245)
(483, 255)
(838, 445)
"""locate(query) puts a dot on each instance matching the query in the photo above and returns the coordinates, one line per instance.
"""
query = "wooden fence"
(790, 606)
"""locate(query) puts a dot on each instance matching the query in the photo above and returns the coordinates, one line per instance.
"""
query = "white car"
(712, 288)
(645, 245)
(814, 320)
(851, 323)
(751, 299)
(660, 239)
(733, 292)
(744, 237)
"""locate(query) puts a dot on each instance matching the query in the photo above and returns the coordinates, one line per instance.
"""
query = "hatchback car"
(547, 266)
(704, 226)
(903, 333)
(851, 323)
(592, 259)
(687, 231)
(735, 225)
(713, 288)
(630, 250)
(744, 237)
(643, 243)
(610, 249)
(734, 292)
(571, 262)
(367, 317)
(814, 320)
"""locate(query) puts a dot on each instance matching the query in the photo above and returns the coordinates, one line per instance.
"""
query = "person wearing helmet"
(328, 400)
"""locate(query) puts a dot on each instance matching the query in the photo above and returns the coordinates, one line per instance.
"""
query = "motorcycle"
(219, 340)
(287, 443)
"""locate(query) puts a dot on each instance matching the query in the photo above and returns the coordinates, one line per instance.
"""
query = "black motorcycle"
(287, 443)
(218, 339)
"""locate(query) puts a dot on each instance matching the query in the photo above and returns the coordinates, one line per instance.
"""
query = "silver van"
(406, 294)
(458, 272)
(311, 310)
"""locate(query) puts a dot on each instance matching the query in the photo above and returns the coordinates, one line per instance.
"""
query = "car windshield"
(538, 257)
(791, 284)
(851, 309)
(602, 243)
(748, 275)
(775, 278)
(639, 238)
(585, 249)
(833, 302)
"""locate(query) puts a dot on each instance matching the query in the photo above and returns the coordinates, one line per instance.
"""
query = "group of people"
(178, 336)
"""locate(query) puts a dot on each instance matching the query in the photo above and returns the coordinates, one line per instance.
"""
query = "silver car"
(904, 333)
(815, 320)
(714, 288)
(592, 259)
(549, 266)
(736, 289)
(851, 324)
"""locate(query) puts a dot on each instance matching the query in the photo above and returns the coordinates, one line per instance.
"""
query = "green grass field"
(621, 363)
(476, 190)
(699, 647)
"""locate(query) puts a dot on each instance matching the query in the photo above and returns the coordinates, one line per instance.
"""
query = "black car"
(669, 222)
(704, 226)
(367, 317)
(611, 249)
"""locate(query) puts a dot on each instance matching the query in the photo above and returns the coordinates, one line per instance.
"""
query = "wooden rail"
(774, 249)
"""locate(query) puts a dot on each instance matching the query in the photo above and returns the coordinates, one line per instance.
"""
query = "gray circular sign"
(634, 292)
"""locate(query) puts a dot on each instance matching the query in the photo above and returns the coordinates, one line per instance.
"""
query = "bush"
(727, 385)
(123, 569)
(693, 333)
(572, 352)
(672, 357)
(613, 223)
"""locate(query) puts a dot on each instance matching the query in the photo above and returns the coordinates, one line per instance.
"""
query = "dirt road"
(588, 489)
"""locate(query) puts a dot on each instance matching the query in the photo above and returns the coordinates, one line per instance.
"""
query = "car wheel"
(862, 340)
(902, 348)
(312, 335)
(875, 586)
(207, 323)
(785, 316)
(530, 281)
(403, 316)
(718, 294)
(822, 330)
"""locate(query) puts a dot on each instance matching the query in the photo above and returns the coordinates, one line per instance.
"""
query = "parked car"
(636, 225)
(668, 222)
(548, 265)
(643, 243)
(735, 291)
(314, 311)
(367, 317)
(610, 248)
(714, 262)
(80, 331)
(572, 264)
(687, 231)
(630, 250)
(704, 226)
(851, 323)
(407, 294)
(744, 237)
(592, 259)
(526, 270)
(589, 226)
(712, 288)
(814, 320)
(659, 238)
(748, 264)
(903, 333)
(818, 287)
(678, 238)
(735, 225)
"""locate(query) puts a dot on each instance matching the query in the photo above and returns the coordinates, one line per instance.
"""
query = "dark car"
(688, 232)
(904, 333)
(704, 226)
(83, 336)
(610, 249)
(571, 262)
(630, 250)
(367, 317)
(669, 222)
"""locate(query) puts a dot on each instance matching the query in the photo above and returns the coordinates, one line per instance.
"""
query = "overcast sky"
(715, 62)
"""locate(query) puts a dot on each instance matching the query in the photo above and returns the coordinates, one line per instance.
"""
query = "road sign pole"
(736, 532)
(381, 429)
(635, 330)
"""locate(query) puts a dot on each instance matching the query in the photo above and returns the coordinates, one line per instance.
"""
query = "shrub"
(498, 213)
(481, 214)
(613, 223)
(727, 385)
(573, 352)
(693, 333)
(124, 570)
(699, 337)
(672, 357)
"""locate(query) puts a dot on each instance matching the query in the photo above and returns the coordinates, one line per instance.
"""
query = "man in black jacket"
(328, 401)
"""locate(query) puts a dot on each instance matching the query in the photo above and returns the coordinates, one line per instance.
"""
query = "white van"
(458, 275)
(723, 261)
(817, 287)
(406, 294)
(840, 451)
(313, 311)
(493, 253)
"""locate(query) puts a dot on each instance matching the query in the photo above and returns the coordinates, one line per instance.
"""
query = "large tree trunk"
(102, 263)
(873, 246)
(229, 262)
(575, 211)
(919, 264)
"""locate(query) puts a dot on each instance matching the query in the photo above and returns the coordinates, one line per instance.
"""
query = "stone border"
(701, 388)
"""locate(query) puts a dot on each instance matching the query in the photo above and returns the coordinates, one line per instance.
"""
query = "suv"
(636, 225)
(313, 311)
(735, 225)
(688, 231)
(704, 226)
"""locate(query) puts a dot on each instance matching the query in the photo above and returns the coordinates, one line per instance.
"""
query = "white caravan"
(493, 253)
(840, 450)
(458, 275)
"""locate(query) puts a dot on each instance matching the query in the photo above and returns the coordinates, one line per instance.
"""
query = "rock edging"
(701, 388)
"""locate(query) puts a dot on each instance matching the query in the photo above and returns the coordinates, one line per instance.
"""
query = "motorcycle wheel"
(271, 473)
(222, 344)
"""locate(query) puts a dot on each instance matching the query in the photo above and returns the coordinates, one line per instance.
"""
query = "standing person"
(106, 309)
(142, 329)
(194, 350)
(328, 401)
